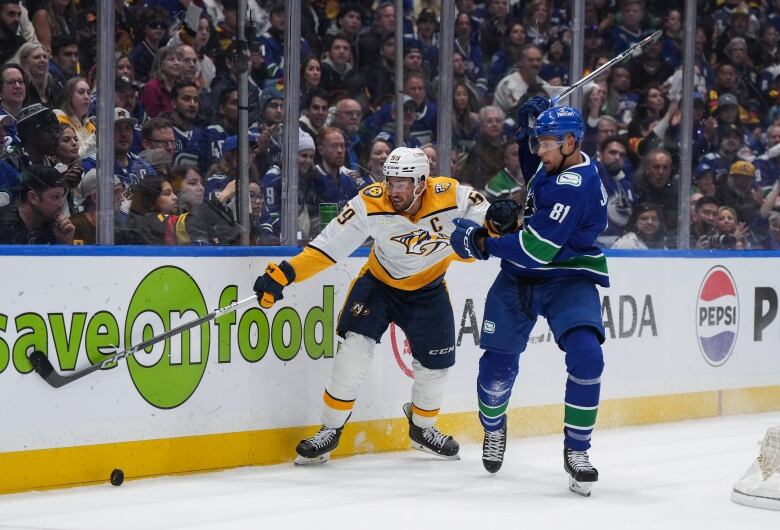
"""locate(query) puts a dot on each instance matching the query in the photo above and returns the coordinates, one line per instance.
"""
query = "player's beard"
(402, 206)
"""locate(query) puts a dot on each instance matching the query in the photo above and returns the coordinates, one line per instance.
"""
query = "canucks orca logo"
(717, 316)
(422, 243)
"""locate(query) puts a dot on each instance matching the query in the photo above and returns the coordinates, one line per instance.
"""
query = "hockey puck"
(117, 477)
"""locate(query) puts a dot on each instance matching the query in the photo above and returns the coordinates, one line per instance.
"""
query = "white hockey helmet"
(410, 162)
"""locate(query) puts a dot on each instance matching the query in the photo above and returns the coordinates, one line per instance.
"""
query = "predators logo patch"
(422, 243)
(373, 191)
(359, 309)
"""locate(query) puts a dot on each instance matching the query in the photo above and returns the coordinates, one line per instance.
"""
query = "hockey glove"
(527, 114)
(269, 286)
(464, 239)
(503, 217)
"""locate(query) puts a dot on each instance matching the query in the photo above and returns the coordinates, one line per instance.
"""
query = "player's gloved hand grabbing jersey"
(528, 113)
(466, 239)
(269, 286)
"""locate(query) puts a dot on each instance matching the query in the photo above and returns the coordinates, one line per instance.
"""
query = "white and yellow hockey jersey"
(409, 251)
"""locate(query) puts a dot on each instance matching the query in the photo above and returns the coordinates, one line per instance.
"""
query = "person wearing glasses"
(153, 28)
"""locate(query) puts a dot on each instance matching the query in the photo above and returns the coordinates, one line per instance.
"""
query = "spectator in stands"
(348, 23)
(772, 241)
(36, 217)
(130, 168)
(672, 38)
(74, 111)
(768, 164)
(153, 23)
(227, 76)
(269, 143)
(494, 30)
(221, 178)
(330, 183)
(663, 132)
(555, 70)
(13, 92)
(509, 54)
(380, 76)
(655, 184)
(631, 29)
(260, 228)
(152, 219)
(618, 185)
(465, 120)
(34, 59)
(428, 38)
(644, 229)
(157, 133)
(705, 215)
(189, 66)
(729, 145)
(738, 26)
(537, 23)
(737, 191)
(10, 19)
(508, 183)
(126, 97)
(187, 184)
(185, 101)
(315, 112)
(433, 158)
(85, 222)
(68, 151)
(466, 46)
(511, 90)
(731, 234)
(338, 72)
(652, 69)
(704, 180)
(347, 118)
(413, 59)
(156, 94)
(39, 135)
(621, 100)
(271, 188)
(388, 129)
(64, 61)
(371, 165)
(486, 158)
(311, 76)
(424, 126)
(369, 42)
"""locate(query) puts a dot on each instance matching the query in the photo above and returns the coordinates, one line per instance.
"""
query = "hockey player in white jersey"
(410, 216)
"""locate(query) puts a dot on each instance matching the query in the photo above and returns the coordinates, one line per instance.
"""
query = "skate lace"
(433, 436)
(579, 460)
(493, 448)
(322, 438)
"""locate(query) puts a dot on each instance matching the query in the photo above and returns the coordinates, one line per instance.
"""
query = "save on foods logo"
(717, 316)
(168, 373)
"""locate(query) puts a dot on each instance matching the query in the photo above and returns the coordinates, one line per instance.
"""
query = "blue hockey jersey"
(565, 213)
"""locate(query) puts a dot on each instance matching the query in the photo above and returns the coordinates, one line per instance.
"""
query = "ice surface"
(670, 476)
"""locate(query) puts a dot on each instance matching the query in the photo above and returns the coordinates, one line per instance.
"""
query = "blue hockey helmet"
(558, 122)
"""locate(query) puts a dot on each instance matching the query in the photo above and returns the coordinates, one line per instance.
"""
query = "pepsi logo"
(401, 350)
(717, 316)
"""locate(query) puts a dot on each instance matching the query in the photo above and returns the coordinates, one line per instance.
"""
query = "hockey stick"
(634, 51)
(45, 369)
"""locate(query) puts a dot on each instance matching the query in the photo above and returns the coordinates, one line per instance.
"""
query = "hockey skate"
(493, 448)
(581, 472)
(317, 449)
(430, 439)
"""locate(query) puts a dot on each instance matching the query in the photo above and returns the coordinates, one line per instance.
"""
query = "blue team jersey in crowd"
(565, 213)
(137, 168)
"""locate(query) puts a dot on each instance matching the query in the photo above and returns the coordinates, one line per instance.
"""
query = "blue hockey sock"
(584, 364)
(497, 373)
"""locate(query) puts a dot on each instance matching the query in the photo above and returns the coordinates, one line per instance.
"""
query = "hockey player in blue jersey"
(551, 268)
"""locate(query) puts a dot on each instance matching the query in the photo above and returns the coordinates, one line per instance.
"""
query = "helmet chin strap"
(416, 196)
(564, 157)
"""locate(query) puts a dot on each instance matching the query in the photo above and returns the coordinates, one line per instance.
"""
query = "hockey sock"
(497, 373)
(350, 364)
(584, 363)
(427, 394)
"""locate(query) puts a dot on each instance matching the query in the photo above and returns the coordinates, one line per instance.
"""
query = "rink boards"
(688, 336)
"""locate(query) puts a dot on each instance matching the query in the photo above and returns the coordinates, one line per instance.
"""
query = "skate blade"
(424, 449)
(303, 461)
(580, 488)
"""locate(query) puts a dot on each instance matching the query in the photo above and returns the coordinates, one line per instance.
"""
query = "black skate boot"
(581, 472)
(317, 449)
(430, 440)
(493, 448)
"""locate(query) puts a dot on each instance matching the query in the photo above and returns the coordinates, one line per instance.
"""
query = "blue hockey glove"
(528, 113)
(269, 286)
(465, 237)
(503, 217)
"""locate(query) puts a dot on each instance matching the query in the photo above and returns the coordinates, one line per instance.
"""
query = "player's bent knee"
(495, 366)
(584, 357)
(352, 361)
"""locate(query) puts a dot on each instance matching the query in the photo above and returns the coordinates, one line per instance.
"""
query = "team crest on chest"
(421, 242)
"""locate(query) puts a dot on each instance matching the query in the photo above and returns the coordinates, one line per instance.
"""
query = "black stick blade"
(41, 363)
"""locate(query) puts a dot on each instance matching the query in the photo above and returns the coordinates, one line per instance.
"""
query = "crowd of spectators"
(176, 113)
